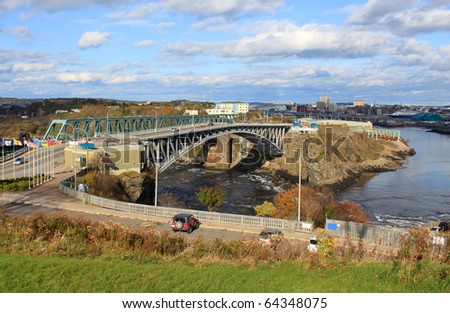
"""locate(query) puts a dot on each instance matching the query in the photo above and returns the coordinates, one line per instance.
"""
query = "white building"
(324, 99)
(191, 112)
(236, 107)
(219, 111)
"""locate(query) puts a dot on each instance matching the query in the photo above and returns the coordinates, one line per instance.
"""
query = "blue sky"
(395, 51)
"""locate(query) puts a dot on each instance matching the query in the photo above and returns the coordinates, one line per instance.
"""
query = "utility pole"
(156, 175)
(299, 183)
(3, 158)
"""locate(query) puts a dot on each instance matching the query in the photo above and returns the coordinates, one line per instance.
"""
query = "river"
(409, 196)
(414, 194)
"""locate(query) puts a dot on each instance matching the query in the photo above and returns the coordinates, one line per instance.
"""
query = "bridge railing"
(12, 155)
(244, 220)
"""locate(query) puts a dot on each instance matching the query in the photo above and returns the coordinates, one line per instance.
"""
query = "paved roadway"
(10, 170)
(22, 209)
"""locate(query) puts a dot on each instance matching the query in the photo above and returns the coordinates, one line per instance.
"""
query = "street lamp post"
(107, 117)
(156, 122)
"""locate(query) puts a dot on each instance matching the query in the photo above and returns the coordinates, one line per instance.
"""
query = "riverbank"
(441, 130)
(414, 194)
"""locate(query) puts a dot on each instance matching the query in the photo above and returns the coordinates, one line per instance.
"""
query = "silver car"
(19, 161)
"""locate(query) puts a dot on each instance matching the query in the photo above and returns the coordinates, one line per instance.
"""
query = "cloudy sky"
(383, 51)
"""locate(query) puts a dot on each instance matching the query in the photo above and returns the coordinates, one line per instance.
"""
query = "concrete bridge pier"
(219, 152)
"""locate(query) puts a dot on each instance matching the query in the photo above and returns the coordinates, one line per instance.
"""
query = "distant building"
(191, 112)
(281, 107)
(326, 106)
(358, 103)
(302, 108)
(236, 107)
(324, 99)
(220, 111)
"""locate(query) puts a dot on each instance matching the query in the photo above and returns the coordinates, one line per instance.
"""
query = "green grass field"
(61, 274)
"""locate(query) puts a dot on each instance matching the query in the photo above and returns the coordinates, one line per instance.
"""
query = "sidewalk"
(48, 195)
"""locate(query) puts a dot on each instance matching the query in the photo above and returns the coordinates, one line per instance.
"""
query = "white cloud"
(404, 18)
(5, 68)
(138, 12)
(216, 23)
(32, 67)
(144, 43)
(221, 7)
(373, 10)
(308, 41)
(122, 79)
(93, 39)
(20, 31)
(8, 55)
(77, 77)
(165, 25)
(58, 5)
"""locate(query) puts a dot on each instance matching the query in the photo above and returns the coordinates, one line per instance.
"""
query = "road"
(37, 161)
(23, 209)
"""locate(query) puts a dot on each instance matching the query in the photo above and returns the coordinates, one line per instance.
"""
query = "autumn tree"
(265, 209)
(312, 203)
(286, 203)
(212, 197)
(347, 211)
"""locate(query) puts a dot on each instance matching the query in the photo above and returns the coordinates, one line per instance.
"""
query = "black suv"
(270, 236)
(184, 222)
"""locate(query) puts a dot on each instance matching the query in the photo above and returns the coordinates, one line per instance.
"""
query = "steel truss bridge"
(74, 129)
(166, 138)
(163, 148)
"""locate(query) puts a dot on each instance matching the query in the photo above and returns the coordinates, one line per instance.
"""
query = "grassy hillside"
(57, 274)
(58, 254)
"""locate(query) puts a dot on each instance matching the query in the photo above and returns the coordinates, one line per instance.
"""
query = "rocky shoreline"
(363, 156)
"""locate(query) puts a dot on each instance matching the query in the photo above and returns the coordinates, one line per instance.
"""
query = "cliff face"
(139, 188)
(336, 156)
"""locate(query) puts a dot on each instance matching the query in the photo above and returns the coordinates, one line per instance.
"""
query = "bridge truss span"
(162, 151)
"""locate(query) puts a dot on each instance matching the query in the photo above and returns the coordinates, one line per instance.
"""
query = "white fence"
(373, 233)
(245, 220)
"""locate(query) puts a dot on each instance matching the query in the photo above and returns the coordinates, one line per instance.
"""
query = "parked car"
(312, 246)
(270, 236)
(83, 188)
(437, 235)
(19, 161)
(184, 222)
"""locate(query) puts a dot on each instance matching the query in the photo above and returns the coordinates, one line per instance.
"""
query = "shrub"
(265, 209)
(212, 197)
(23, 185)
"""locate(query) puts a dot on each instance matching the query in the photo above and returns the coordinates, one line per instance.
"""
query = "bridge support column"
(220, 153)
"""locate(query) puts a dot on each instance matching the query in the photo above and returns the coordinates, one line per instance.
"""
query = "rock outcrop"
(337, 157)
(139, 188)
